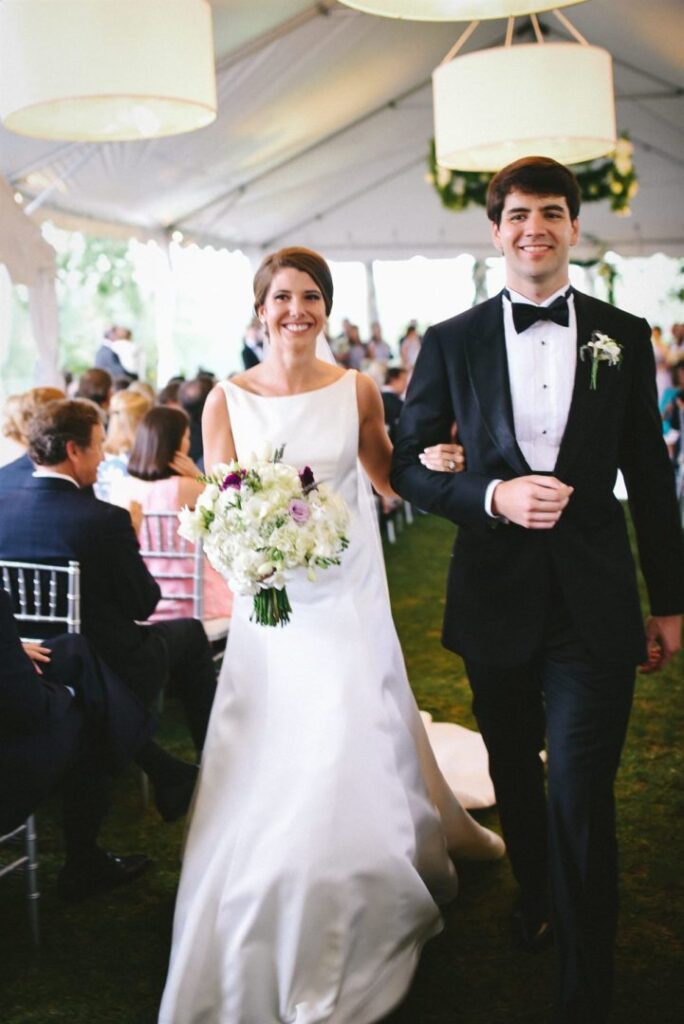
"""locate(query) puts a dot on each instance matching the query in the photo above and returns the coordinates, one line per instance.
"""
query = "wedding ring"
(451, 465)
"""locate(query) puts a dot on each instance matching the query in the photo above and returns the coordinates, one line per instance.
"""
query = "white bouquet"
(259, 521)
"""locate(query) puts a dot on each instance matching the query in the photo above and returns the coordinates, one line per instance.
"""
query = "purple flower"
(234, 480)
(299, 510)
(307, 479)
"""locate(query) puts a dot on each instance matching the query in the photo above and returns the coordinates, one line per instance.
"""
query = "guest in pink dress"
(162, 478)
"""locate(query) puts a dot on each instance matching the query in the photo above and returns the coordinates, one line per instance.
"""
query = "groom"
(542, 600)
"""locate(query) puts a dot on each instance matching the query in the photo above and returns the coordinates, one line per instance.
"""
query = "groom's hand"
(535, 502)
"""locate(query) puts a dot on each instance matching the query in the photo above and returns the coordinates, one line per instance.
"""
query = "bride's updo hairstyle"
(306, 260)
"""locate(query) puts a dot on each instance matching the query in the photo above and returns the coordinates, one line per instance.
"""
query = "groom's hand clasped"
(534, 502)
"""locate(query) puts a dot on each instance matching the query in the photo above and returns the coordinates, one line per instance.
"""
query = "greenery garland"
(611, 178)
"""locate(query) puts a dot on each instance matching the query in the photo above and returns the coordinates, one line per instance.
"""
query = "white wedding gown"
(320, 836)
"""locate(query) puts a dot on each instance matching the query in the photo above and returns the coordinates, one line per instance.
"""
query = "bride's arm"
(375, 447)
(217, 436)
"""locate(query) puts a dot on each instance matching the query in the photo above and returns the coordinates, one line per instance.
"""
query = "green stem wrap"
(271, 607)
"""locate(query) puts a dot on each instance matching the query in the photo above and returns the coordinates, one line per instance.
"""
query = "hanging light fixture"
(106, 70)
(548, 99)
(455, 10)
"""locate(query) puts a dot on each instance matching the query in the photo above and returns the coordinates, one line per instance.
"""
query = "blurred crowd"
(669, 359)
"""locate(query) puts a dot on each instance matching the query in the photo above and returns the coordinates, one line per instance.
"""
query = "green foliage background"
(96, 286)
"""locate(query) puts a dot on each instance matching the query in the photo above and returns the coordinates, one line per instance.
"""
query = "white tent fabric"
(29, 260)
(44, 314)
(23, 250)
(321, 139)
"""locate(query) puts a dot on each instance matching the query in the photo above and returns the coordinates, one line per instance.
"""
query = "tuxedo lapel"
(586, 404)
(485, 351)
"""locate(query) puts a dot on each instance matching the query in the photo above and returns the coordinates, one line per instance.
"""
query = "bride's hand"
(443, 458)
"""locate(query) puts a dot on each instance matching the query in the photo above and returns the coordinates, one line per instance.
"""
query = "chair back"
(43, 596)
(176, 564)
(24, 859)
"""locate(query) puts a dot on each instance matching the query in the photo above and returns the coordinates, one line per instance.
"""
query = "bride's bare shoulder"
(248, 381)
(216, 429)
(215, 407)
(329, 372)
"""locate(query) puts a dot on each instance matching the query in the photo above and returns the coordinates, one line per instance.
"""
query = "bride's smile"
(293, 308)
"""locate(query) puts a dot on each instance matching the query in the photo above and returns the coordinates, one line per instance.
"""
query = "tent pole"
(371, 294)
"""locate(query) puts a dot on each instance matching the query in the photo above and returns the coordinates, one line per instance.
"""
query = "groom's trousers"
(561, 842)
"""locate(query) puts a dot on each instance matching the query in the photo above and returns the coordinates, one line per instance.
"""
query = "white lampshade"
(495, 106)
(106, 70)
(455, 10)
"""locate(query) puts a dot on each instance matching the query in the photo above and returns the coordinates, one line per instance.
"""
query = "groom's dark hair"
(535, 176)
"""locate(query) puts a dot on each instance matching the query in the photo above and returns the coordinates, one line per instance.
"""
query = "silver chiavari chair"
(43, 596)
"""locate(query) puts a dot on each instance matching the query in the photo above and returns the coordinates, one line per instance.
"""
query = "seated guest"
(377, 346)
(54, 518)
(162, 477)
(141, 387)
(96, 386)
(409, 347)
(253, 345)
(13, 446)
(68, 722)
(192, 395)
(340, 343)
(15, 473)
(670, 393)
(126, 410)
(396, 379)
(356, 351)
(378, 355)
(168, 395)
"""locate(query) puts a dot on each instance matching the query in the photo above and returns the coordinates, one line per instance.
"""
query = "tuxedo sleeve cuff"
(489, 494)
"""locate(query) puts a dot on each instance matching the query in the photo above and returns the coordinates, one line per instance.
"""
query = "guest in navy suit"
(54, 517)
(542, 600)
(68, 722)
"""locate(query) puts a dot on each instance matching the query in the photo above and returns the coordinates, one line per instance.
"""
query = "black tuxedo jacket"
(501, 576)
(42, 724)
(250, 358)
(392, 405)
(51, 520)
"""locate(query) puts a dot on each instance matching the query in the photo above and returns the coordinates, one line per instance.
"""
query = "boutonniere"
(601, 349)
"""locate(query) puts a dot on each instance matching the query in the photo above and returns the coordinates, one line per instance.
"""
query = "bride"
(322, 833)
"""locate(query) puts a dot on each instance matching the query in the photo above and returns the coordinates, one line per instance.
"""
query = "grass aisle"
(103, 962)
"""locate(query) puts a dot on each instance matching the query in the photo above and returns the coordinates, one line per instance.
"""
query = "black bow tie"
(525, 314)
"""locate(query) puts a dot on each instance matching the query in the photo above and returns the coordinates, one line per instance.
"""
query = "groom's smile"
(535, 235)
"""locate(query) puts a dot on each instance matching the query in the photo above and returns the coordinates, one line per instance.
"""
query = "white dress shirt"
(541, 370)
(43, 471)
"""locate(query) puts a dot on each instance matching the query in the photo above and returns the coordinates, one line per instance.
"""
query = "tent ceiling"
(321, 138)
